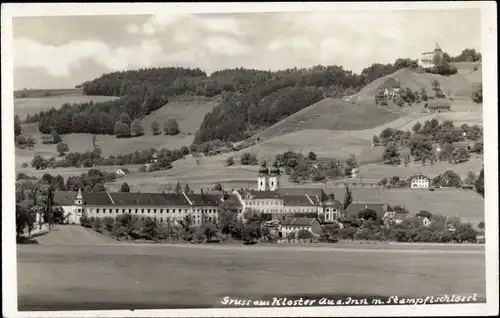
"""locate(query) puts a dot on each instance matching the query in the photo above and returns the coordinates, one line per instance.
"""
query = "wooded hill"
(251, 99)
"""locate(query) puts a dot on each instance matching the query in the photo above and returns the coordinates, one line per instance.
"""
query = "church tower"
(79, 197)
(274, 177)
(262, 184)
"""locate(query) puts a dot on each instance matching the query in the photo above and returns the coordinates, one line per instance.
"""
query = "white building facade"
(420, 182)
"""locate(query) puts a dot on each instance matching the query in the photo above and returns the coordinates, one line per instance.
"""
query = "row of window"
(154, 210)
(265, 203)
(165, 220)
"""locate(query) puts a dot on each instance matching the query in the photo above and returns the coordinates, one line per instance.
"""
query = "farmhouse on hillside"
(120, 173)
(420, 182)
(391, 92)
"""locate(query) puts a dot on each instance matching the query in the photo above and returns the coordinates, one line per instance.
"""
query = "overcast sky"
(60, 52)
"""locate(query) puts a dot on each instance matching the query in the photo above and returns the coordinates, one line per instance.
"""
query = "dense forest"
(251, 99)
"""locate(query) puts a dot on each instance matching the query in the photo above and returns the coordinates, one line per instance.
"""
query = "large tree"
(136, 128)
(122, 130)
(171, 127)
(347, 197)
(62, 148)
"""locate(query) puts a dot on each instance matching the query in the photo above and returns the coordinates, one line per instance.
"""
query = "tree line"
(160, 159)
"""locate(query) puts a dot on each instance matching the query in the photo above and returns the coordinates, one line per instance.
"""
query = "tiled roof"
(317, 195)
(155, 199)
(380, 208)
(298, 221)
(131, 198)
(96, 198)
(296, 200)
(264, 194)
(204, 199)
(65, 197)
(233, 199)
(420, 175)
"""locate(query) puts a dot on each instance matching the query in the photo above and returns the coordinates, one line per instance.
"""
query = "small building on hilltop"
(120, 173)
(420, 182)
(428, 59)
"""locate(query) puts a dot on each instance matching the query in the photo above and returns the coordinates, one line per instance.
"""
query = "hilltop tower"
(274, 177)
(262, 184)
(438, 55)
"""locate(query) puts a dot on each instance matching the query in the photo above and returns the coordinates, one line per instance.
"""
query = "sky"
(63, 51)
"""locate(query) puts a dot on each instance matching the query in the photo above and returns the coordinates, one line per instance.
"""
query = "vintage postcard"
(249, 159)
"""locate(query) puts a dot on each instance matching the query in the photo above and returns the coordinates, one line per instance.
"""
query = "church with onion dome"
(280, 203)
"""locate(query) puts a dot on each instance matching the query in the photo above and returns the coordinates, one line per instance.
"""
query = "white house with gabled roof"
(420, 182)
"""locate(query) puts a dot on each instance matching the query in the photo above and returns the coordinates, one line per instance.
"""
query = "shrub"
(247, 159)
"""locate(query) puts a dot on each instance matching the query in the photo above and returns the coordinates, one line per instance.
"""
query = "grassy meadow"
(38, 93)
(32, 105)
(163, 276)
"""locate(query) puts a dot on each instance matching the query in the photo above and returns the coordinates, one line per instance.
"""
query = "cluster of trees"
(132, 227)
(103, 117)
(367, 225)
(404, 95)
(467, 55)
(125, 127)
(421, 142)
(448, 179)
(302, 167)
(32, 200)
(229, 226)
(247, 159)
(163, 157)
(90, 181)
(477, 95)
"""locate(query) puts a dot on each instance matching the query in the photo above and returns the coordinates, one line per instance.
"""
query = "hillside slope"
(333, 114)
(461, 84)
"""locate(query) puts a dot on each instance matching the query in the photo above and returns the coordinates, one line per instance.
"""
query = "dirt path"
(73, 235)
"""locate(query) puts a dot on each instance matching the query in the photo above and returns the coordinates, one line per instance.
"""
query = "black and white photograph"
(249, 159)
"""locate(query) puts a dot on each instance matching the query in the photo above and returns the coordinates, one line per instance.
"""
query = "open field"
(189, 114)
(25, 106)
(466, 204)
(35, 93)
(377, 172)
(126, 276)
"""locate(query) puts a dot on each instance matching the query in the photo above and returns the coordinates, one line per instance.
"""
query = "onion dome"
(331, 200)
(263, 169)
(275, 170)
